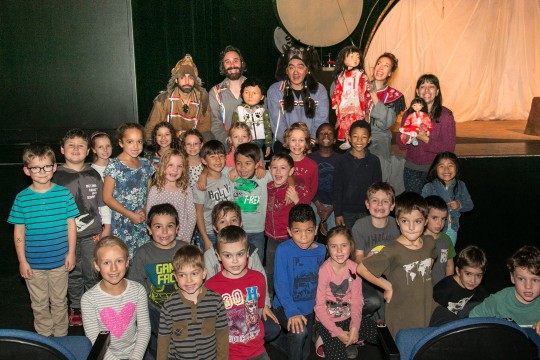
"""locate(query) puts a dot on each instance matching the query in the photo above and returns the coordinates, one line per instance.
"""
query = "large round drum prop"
(319, 23)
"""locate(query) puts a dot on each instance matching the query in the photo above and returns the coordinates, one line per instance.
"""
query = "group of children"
(209, 221)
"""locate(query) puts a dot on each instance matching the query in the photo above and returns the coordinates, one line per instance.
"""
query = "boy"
(45, 233)
(217, 189)
(193, 323)
(152, 265)
(94, 222)
(281, 198)
(326, 158)
(243, 293)
(463, 291)
(406, 264)
(227, 213)
(253, 113)
(444, 248)
(520, 302)
(357, 169)
(250, 193)
(372, 233)
(296, 276)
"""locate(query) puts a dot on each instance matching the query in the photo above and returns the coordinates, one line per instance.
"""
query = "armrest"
(387, 342)
(100, 346)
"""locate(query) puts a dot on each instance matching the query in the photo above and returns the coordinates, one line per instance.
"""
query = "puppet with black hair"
(297, 96)
(348, 98)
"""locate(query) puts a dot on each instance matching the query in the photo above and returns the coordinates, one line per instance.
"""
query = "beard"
(234, 76)
(186, 89)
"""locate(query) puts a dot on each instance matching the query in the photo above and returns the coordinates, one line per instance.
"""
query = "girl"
(170, 185)
(306, 172)
(125, 189)
(163, 139)
(116, 304)
(348, 98)
(101, 145)
(192, 141)
(443, 177)
(239, 133)
(338, 306)
(417, 119)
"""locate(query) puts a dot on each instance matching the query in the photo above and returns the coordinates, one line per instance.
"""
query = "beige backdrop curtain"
(485, 53)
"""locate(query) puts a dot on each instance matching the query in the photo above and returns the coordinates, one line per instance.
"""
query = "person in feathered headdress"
(297, 96)
(184, 103)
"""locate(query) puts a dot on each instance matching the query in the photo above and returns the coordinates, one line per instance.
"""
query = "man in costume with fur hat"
(184, 104)
(225, 96)
(297, 96)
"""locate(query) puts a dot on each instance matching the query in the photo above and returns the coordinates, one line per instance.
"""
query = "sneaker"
(351, 351)
(75, 318)
(345, 146)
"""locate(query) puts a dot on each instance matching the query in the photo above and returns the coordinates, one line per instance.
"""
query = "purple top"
(441, 138)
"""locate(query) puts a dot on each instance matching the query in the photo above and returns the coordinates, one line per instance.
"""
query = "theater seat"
(465, 339)
(22, 344)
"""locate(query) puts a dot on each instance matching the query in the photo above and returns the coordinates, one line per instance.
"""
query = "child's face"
(252, 95)
(245, 166)
(446, 171)
(175, 168)
(102, 148)
(239, 136)
(280, 171)
(214, 162)
(411, 225)
(297, 142)
(192, 145)
(132, 142)
(42, 177)
(380, 204)
(190, 279)
(339, 248)
(233, 257)
(417, 107)
(326, 138)
(469, 277)
(383, 69)
(436, 220)
(112, 264)
(527, 285)
(163, 231)
(352, 60)
(303, 233)
(164, 138)
(226, 219)
(359, 139)
(75, 150)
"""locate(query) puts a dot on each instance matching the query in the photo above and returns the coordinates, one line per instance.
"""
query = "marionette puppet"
(348, 98)
(417, 119)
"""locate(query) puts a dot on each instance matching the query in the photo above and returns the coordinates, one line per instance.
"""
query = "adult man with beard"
(225, 96)
(184, 103)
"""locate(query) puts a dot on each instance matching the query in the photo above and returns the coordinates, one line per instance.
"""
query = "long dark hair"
(432, 173)
(340, 61)
(436, 109)
(417, 100)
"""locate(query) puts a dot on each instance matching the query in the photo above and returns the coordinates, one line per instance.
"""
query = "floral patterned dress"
(130, 190)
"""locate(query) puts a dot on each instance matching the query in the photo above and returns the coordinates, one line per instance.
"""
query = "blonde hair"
(297, 126)
(236, 126)
(159, 179)
(110, 241)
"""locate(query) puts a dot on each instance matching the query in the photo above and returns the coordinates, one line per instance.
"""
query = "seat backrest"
(17, 344)
(475, 338)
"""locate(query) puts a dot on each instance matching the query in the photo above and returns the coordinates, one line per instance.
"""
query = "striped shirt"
(124, 315)
(193, 331)
(44, 216)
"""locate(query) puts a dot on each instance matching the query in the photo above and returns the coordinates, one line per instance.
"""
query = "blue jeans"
(257, 240)
(330, 221)
(414, 180)
(297, 346)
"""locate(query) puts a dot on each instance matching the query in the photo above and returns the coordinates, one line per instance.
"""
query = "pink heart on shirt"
(117, 323)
